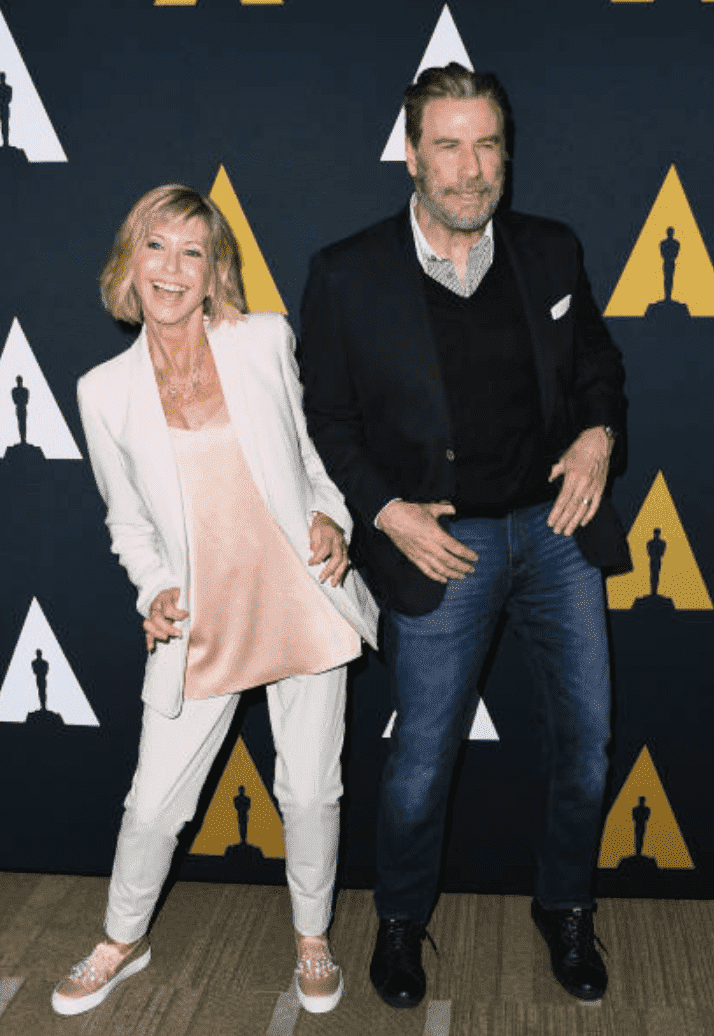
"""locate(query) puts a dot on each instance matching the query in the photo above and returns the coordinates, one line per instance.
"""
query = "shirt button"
(450, 455)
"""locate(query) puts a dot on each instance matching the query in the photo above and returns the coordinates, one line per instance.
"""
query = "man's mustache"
(481, 186)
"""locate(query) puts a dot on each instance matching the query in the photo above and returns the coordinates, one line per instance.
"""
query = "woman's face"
(172, 270)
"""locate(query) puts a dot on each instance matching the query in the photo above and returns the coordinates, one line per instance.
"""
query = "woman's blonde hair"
(165, 203)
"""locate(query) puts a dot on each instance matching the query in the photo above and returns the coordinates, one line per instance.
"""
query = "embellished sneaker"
(318, 980)
(93, 978)
(574, 954)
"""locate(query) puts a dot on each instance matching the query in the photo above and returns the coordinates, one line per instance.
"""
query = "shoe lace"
(578, 933)
(406, 936)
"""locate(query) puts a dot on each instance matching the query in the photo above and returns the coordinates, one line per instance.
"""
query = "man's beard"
(436, 212)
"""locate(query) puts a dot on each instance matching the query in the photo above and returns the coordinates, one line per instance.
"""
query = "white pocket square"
(560, 308)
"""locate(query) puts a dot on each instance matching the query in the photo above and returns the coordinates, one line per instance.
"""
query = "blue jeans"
(556, 600)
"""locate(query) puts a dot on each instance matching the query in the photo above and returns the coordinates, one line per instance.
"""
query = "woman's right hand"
(160, 622)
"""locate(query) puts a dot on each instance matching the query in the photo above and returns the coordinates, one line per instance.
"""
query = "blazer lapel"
(527, 274)
(404, 275)
(149, 443)
(231, 366)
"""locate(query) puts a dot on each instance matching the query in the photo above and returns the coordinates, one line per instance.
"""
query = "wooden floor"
(223, 958)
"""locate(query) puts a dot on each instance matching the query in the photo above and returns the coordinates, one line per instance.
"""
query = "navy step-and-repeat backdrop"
(289, 114)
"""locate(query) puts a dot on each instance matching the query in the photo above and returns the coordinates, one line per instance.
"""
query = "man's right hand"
(415, 530)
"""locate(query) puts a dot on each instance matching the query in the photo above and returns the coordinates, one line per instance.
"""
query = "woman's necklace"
(184, 388)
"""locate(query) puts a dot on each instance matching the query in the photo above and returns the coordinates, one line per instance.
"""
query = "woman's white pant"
(175, 755)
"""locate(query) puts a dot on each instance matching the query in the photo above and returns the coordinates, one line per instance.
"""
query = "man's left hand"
(327, 540)
(584, 467)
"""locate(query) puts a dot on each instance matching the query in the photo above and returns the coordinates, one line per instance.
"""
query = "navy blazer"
(374, 397)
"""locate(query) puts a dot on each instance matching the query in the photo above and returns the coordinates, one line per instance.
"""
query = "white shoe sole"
(77, 1004)
(319, 1004)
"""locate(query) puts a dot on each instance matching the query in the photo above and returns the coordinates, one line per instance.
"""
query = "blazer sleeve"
(326, 497)
(133, 535)
(599, 376)
(332, 407)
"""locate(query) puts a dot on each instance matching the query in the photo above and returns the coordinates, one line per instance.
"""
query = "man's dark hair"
(453, 80)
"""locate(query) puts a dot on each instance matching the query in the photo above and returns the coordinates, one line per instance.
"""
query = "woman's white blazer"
(133, 462)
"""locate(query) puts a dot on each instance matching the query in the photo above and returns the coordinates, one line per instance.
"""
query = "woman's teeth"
(168, 287)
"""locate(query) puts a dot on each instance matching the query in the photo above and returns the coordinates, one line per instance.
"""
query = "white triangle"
(30, 127)
(444, 46)
(390, 725)
(46, 427)
(19, 695)
(482, 728)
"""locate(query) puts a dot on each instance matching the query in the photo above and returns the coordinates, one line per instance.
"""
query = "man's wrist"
(608, 432)
(380, 512)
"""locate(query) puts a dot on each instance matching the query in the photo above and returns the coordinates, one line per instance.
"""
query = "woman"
(217, 503)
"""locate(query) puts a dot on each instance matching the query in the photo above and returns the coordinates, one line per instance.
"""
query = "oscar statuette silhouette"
(640, 868)
(23, 458)
(11, 158)
(667, 310)
(243, 853)
(43, 717)
(656, 549)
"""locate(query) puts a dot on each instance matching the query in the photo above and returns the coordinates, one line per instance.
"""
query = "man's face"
(459, 166)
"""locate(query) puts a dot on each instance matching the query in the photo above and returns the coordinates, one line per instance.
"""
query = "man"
(465, 396)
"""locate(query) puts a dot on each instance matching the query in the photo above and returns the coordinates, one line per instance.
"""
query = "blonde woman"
(221, 512)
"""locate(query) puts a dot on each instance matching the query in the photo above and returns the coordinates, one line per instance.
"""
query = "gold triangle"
(262, 295)
(220, 825)
(680, 579)
(663, 840)
(642, 283)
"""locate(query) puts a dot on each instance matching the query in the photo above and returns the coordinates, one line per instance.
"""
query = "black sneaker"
(396, 970)
(575, 958)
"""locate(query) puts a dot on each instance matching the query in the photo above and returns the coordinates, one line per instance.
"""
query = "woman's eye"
(153, 244)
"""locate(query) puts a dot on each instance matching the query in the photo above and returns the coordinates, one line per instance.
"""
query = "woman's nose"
(171, 259)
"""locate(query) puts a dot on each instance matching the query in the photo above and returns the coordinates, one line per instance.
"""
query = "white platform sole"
(319, 1004)
(76, 1005)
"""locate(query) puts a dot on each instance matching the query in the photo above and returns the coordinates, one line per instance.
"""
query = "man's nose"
(473, 163)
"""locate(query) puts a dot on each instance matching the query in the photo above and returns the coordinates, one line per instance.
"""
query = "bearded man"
(465, 395)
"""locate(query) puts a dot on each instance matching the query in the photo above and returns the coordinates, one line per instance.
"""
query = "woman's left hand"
(327, 540)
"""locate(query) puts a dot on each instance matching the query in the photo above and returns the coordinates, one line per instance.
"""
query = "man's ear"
(411, 158)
